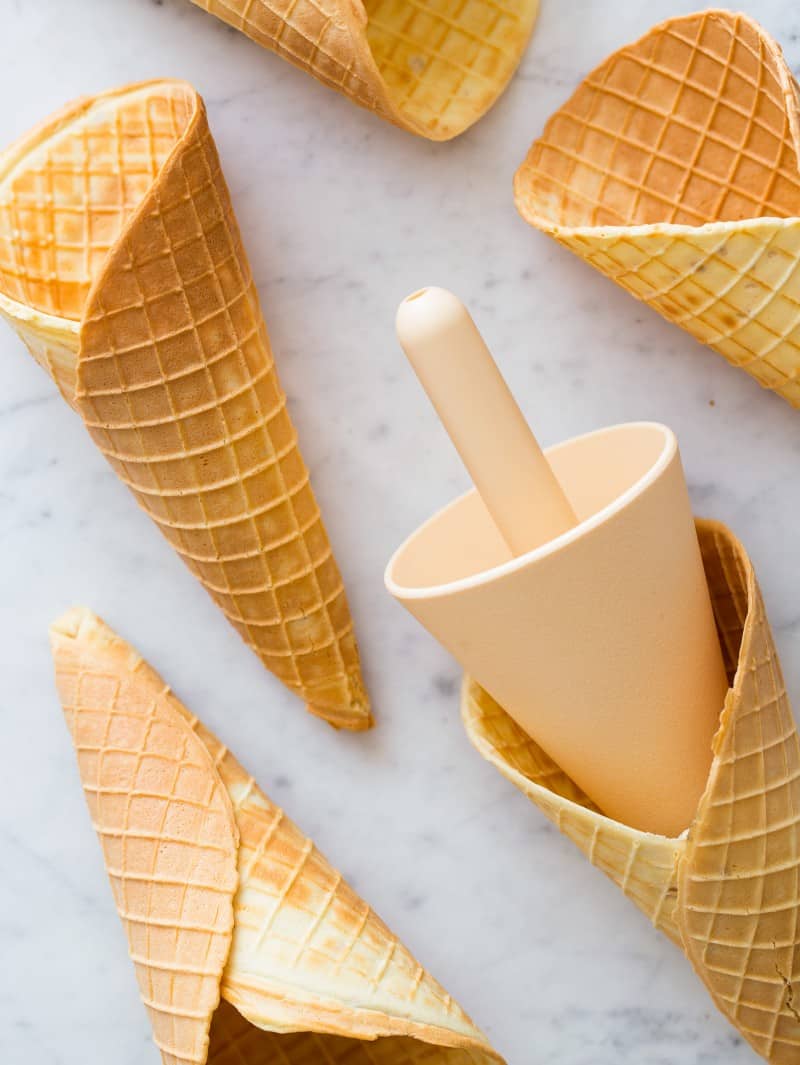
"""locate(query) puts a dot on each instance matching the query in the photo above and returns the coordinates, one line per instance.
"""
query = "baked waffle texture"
(673, 169)
(249, 947)
(728, 891)
(431, 67)
(122, 268)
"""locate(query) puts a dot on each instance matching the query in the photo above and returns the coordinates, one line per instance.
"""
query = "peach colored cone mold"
(122, 269)
(673, 169)
(601, 642)
(728, 890)
(432, 68)
(248, 946)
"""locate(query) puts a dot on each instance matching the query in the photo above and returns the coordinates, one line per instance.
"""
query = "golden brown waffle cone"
(673, 169)
(122, 268)
(292, 948)
(729, 891)
(432, 68)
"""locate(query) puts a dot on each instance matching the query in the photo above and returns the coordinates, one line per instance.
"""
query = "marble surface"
(343, 216)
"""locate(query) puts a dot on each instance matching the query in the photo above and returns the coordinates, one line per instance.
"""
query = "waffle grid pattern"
(434, 67)
(695, 124)
(444, 63)
(688, 126)
(730, 893)
(166, 828)
(177, 365)
(300, 926)
(313, 36)
(175, 814)
(740, 879)
(61, 212)
(737, 290)
(176, 381)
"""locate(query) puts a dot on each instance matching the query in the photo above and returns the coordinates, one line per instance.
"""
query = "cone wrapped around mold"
(432, 69)
(673, 169)
(122, 269)
(728, 891)
(240, 931)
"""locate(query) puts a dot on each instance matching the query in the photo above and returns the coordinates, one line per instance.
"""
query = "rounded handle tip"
(426, 315)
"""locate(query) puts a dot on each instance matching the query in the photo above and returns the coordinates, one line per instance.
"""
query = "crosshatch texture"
(166, 826)
(433, 68)
(122, 267)
(219, 892)
(673, 169)
(728, 891)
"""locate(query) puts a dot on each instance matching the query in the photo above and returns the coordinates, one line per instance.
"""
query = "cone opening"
(601, 472)
(694, 123)
(67, 189)
(235, 1039)
(444, 65)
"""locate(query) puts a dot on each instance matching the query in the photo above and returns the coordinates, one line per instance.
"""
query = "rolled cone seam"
(673, 169)
(728, 889)
(122, 268)
(431, 69)
(286, 942)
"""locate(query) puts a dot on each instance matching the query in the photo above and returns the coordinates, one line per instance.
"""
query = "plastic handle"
(483, 420)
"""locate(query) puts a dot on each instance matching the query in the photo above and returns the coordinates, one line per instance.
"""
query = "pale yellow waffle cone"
(728, 891)
(122, 268)
(673, 169)
(432, 68)
(284, 940)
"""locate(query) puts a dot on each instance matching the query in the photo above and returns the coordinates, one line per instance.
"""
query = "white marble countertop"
(343, 216)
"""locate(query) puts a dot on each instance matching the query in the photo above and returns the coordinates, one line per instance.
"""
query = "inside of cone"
(67, 189)
(695, 123)
(462, 541)
(235, 1041)
(444, 62)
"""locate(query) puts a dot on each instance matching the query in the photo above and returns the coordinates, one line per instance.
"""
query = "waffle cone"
(673, 169)
(122, 268)
(432, 69)
(240, 930)
(728, 891)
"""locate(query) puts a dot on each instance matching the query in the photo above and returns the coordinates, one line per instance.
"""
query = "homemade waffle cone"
(673, 169)
(221, 895)
(728, 892)
(432, 68)
(122, 268)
